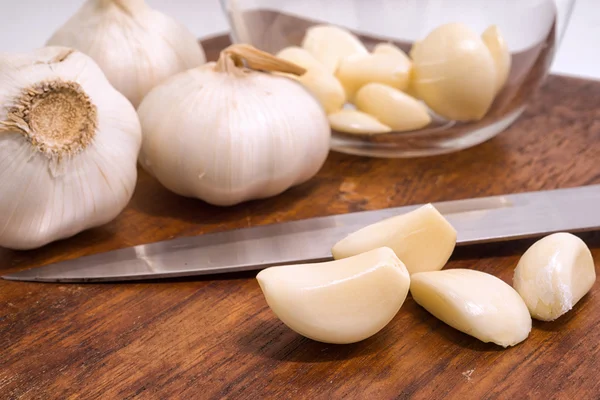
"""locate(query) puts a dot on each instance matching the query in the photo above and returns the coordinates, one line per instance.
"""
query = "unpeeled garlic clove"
(554, 274)
(341, 301)
(423, 239)
(474, 302)
(454, 73)
(499, 51)
(353, 121)
(329, 44)
(393, 108)
(356, 71)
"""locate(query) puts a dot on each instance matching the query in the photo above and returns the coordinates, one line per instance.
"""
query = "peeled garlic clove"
(226, 134)
(69, 144)
(554, 274)
(391, 49)
(454, 73)
(300, 56)
(330, 44)
(423, 239)
(393, 108)
(475, 303)
(342, 301)
(326, 88)
(136, 46)
(499, 51)
(356, 71)
(352, 121)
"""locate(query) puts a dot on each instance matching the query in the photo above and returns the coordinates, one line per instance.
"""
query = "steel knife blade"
(477, 220)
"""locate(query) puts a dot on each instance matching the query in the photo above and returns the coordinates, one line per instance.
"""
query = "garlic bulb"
(68, 147)
(226, 134)
(136, 47)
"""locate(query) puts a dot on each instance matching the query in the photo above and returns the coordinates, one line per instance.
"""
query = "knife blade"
(477, 220)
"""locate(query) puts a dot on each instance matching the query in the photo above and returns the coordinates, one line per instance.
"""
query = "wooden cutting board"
(215, 337)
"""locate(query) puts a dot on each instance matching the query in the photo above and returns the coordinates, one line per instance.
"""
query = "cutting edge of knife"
(499, 201)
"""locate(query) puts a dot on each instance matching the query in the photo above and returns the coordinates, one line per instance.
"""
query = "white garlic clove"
(423, 239)
(499, 51)
(393, 108)
(474, 302)
(226, 134)
(136, 46)
(454, 73)
(392, 49)
(342, 301)
(330, 44)
(356, 71)
(320, 82)
(554, 274)
(353, 121)
(301, 57)
(68, 147)
(326, 88)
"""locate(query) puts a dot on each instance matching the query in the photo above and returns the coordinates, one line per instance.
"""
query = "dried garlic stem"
(245, 55)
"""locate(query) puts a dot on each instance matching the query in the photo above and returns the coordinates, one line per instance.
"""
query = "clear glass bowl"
(530, 28)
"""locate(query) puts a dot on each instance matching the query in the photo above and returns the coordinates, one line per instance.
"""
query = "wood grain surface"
(215, 337)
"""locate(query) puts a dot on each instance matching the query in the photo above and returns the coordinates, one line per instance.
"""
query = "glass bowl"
(529, 29)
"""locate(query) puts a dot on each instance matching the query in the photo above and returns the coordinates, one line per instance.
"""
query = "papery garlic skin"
(136, 46)
(342, 301)
(554, 274)
(423, 239)
(69, 144)
(474, 302)
(228, 137)
(454, 73)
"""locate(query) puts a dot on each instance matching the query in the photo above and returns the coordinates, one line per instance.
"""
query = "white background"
(27, 24)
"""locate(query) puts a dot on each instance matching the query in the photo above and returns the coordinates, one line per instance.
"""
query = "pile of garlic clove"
(355, 296)
(453, 73)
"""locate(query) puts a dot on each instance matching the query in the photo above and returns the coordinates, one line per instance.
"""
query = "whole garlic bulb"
(226, 134)
(68, 147)
(136, 46)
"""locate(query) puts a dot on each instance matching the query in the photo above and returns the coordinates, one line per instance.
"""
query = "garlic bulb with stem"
(225, 133)
(69, 144)
(136, 46)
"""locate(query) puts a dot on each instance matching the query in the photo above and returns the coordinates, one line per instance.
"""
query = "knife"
(477, 220)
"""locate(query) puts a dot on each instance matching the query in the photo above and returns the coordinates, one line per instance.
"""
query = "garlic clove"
(330, 44)
(392, 49)
(300, 56)
(226, 134)
(423, 239)
(68, 147)
(454, 73)
(353, 121)
(499, 51)
(474, 302)
(356, 71)
(136, 46)
(326, 88)
(343, 301)
(554, 274)
(321, 83)
(393, 108)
